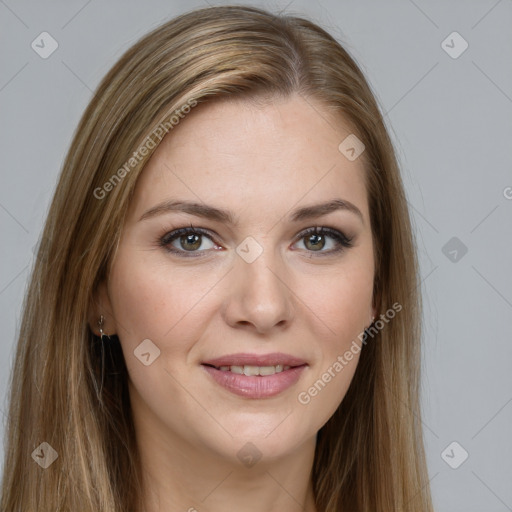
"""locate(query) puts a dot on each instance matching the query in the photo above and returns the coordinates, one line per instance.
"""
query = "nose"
(259, 297)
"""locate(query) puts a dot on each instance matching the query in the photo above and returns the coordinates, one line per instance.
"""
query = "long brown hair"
(70, 390)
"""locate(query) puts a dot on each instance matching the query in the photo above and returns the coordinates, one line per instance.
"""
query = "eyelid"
(325, 230)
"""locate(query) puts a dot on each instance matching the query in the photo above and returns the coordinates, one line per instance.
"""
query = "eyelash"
(344, 242)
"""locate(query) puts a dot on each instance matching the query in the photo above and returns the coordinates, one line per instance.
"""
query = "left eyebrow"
(317, 210)
(221, 215)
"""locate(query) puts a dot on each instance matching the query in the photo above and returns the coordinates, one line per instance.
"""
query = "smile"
(255, 377)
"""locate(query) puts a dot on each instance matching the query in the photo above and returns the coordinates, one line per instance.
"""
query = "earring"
(100, 328)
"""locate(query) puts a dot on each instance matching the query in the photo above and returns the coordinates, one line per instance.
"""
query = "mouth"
(255, 376)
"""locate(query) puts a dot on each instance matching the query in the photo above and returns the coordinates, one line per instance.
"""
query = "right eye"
(186, 240)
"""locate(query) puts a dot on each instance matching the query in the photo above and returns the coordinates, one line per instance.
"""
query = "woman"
(224, 312)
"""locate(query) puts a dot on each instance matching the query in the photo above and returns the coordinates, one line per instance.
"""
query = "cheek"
(156, 300)
(340, 303)
(340, 306)
(166, 305)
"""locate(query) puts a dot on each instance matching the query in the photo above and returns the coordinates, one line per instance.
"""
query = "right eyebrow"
(197, 209)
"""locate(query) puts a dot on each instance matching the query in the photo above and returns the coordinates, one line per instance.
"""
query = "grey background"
(451, 121)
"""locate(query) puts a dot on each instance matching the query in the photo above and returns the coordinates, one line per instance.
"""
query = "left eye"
(316, 239)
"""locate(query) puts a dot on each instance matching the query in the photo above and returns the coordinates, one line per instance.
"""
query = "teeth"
(250, 370)
(267, 370)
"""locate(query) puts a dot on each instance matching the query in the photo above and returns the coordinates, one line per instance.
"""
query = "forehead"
(243, 154)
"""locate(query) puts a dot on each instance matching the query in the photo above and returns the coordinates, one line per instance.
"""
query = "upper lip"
(276, 358)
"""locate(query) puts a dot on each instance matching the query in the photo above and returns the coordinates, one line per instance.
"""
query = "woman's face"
(248, 289)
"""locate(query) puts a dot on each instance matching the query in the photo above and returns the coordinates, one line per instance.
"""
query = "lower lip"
(256, 386)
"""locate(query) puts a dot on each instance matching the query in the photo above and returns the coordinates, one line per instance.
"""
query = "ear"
(101, 306)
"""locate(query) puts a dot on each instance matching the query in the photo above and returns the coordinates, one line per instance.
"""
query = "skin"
(260, 161)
